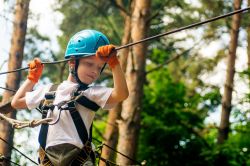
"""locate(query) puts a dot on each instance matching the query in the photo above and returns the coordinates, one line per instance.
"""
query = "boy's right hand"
(35, 70)
(108, 54)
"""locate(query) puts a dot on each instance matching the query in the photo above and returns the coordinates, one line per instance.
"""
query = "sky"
(47, 24)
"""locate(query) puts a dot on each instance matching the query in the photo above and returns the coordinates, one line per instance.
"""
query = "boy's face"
(89, 69)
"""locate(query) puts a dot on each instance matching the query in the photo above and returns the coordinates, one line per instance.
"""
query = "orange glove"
(108, 54)
(35, 70)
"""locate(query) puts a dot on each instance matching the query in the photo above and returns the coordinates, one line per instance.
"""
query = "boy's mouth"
(92, 77)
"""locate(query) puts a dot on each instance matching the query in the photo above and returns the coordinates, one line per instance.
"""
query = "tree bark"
(111, 131)
(248, 51)
(228, 87)
(13, 79)
(129, 124)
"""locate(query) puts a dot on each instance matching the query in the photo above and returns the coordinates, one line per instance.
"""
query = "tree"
(111, 131)
(228, 87)
(129, 124)
(15, 61)
(248, 53)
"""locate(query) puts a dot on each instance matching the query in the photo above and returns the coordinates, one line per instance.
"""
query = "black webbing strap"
(79, 124)
(84, 101)
(42, 138)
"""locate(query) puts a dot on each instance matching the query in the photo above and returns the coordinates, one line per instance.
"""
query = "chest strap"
(75, 115)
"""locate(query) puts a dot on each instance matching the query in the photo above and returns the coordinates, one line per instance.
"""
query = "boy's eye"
(89, 63)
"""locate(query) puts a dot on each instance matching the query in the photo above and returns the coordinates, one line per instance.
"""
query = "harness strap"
(80, 126)
(84, 101)
(42, 138)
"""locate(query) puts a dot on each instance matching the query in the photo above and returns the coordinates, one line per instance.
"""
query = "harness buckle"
(71, 105)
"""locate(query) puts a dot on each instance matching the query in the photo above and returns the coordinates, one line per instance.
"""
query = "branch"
(106, 17)
(3, 64)
(168, 61)
(171, 59)
(119, 5)
(153, 16)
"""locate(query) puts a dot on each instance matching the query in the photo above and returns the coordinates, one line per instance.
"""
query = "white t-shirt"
(65, 131)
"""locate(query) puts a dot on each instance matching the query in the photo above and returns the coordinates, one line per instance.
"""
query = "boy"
(66, 141)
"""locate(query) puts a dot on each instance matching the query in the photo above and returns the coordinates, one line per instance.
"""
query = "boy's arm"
(18, 101)
(120, 90)
(35, 72)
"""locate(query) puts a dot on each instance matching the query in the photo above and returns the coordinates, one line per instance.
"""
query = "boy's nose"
(95, 71)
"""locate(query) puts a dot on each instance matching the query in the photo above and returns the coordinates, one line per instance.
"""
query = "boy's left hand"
(108, 54)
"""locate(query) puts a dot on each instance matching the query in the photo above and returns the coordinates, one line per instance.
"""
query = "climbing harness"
(77, 97)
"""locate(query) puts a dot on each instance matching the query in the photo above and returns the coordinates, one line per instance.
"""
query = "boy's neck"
(71, 78)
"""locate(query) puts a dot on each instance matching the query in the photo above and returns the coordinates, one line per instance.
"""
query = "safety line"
(117, 151)
(8, 89)
(2, 158)
(149, 38)
(18, 151)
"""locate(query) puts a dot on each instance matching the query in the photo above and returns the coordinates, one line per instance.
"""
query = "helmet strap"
(73, 71)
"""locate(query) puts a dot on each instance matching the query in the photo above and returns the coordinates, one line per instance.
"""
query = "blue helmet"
(85, 43)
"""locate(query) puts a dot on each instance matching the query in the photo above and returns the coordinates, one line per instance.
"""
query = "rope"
(149, 38)
(12, 147)
(22, 124)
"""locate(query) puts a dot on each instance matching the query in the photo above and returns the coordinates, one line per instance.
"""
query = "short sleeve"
(34, 97)
(100, 96)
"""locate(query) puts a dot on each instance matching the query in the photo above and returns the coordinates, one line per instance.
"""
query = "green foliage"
(171, 123)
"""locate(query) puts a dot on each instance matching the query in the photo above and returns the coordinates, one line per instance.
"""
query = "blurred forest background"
(189, 102)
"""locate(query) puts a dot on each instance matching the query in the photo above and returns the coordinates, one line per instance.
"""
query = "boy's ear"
(71, 63)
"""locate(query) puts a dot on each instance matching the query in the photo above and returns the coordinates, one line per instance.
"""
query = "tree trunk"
(13, 79)
(248, 51)
(228, 87)
(111, 131)
(130, 117)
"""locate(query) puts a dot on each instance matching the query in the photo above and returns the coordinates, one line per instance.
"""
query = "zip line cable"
(12, 147)
(149, 38)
